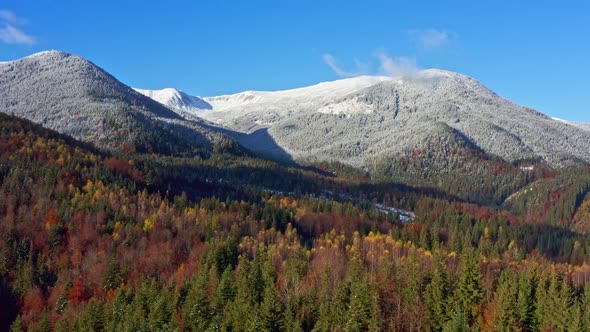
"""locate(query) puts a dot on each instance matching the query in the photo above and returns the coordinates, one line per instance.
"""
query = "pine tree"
(17, 325)
(436, 295)
(361, 308)
(45, 326)
(113, 276)
(586, 309)
(358, 313)
(225, 291)
(541, 305)
(524, 306)
(500, 314)
(458, 322)
(63, 326)
(271, 310)
(162, 312)
(469, 292)
(575, 323)
(324, 314)
(243, 303)
(290, 322)
(256, 279)
(197, 312)
(554, 304)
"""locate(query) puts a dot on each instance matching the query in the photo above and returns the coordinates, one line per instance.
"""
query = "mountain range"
(429, 128)
(361, 121)
(70, 94)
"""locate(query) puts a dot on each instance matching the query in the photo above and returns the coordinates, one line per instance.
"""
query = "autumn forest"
(96, 240)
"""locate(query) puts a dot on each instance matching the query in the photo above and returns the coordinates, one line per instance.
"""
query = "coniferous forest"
(97, 240)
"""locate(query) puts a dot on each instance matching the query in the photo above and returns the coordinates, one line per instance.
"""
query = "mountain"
(72, 95)
(434, 128)
(177, 100)
(361, 121)
(585, 126)
(251, 113)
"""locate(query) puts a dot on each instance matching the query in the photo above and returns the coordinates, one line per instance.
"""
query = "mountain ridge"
(386, 106)
(434, 128)
(72, 95)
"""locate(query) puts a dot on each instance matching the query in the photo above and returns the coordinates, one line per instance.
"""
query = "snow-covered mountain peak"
(49, 55)
(339, 87)
(176, 99)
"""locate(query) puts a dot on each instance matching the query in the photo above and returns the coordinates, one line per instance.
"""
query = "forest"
(94, 240)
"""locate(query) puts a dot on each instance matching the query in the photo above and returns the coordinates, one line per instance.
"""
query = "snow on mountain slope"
(254, 100)
(225, 102)
(267, 107)
(361, 120)
(364, 119)
(585, 126)
(177, 100)
(72, 95)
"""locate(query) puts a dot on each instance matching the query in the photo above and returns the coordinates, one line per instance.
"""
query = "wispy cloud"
(397, 67)
(11, 29)
(391, 66)
(333, 64)
(431, 38)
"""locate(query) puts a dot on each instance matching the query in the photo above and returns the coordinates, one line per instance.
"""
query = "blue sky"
(536, 53)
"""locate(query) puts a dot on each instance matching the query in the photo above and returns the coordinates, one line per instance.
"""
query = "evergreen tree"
(324, 312)
(162, 312)
(225, 291)
(500, 314)
(45, 325)
(436, 295)
(524, 306)
(586, 309)
(271, 310)
(256, 279)
(17, 325)
(243, 303)
(469, 292)
(458, 322)
(575, 323)
(197, 312)
(554, 304)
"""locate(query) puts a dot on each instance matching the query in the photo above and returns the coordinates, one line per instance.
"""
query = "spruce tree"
(197, 312)
(271, 310)
(436, 295)
(469, 292)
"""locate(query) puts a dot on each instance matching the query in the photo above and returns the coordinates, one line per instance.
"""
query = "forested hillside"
(72, 95)
(118, 241)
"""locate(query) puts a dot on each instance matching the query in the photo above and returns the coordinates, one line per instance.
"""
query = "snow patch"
(347, 107)
(224, 102)
(176, 99)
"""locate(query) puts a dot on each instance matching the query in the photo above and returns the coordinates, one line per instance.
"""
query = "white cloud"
(431, 38)
(397, 67)
(7, 16)
(12, 35)
(11, 31)
(332, 63)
